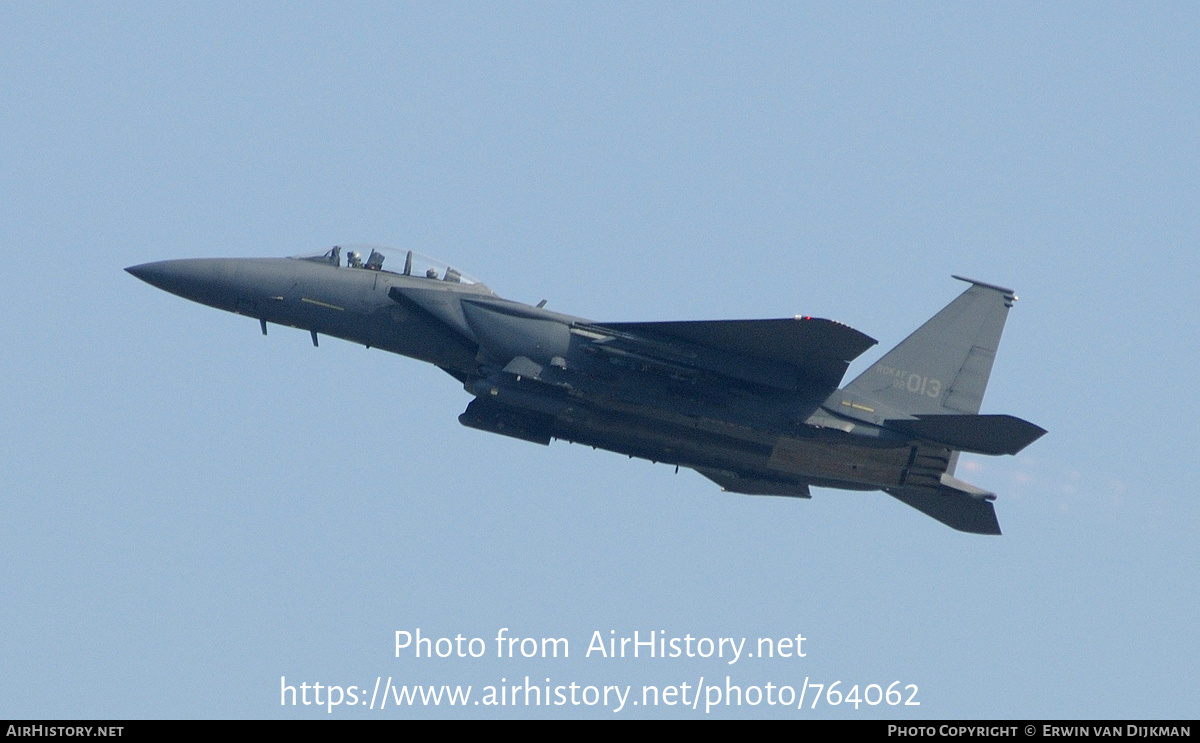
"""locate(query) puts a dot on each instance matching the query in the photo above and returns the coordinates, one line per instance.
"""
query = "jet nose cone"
(146, 271)
(206, 280)
(177, 277)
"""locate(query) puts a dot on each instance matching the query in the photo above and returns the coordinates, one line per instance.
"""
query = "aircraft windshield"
(389, 260)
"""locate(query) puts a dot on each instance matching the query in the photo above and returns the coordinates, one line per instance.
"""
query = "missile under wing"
(753, 405)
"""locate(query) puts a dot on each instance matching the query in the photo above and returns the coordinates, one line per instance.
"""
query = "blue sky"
(189, 511)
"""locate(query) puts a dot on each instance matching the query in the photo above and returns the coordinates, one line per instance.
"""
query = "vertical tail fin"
(943, 367)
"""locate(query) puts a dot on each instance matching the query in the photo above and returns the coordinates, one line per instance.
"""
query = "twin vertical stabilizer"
(937, 377)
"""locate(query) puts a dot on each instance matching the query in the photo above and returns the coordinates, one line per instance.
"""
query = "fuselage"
(538, 374)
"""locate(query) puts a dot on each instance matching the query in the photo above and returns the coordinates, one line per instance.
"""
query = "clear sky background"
(189, 510)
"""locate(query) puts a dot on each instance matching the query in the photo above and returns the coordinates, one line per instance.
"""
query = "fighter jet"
(753, 405)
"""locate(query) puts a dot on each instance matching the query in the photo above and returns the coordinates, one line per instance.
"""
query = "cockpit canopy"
(401, 262)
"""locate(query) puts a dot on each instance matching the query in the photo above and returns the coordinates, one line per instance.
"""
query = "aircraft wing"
(820, 350)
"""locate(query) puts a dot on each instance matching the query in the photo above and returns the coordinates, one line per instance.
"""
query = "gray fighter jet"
(753, 405)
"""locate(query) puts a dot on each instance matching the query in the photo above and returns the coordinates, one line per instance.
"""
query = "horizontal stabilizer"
(734, 483)
(955, 509)
(982, 434)
(821, 349)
